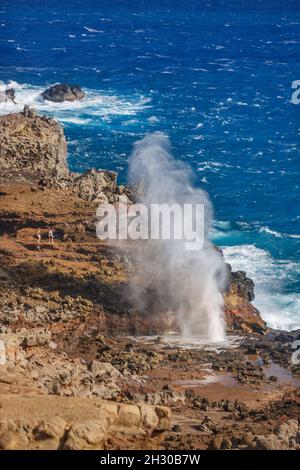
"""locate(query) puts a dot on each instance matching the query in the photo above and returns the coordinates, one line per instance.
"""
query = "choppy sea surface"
(215, 76)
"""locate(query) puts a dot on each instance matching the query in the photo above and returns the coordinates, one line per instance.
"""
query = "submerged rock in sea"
(8, 96)
(63, 92)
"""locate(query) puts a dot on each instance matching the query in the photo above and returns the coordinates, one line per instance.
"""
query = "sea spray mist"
(189, 283)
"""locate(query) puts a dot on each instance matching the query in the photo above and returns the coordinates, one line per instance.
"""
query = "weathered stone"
(52, 428)
(226, 443)
(248, 439)
(164, 416)
(9, 95)
(110, 411)
(244, 285)
(269, 442)
(94, 184)
(287, 430)
(8, 441)
(150, 418)
(37, 337)
(12, 353)
(216, 442)
(59, 376)
(103, 370)
(32, 145)
(129, 416)
(86, 435)
(240, 314)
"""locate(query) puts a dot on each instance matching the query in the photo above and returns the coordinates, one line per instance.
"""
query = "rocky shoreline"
(71, 338)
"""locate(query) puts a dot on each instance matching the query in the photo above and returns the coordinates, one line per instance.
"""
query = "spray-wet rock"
(63, 92)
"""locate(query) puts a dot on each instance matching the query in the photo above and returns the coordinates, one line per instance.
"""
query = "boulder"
(129, 416)
(13, 434)
(86, 435)
(105, 380)
(150, 419)
(12, 354)
(287, 431)
(8, 441)
(93, 183)
(60, 376)
(51, 428)
(103, 371)
(8, 95)
(164, 416)
(216, 442)
(269, 442)
(63, 92)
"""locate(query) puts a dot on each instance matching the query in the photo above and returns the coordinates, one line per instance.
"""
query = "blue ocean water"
(214, 75)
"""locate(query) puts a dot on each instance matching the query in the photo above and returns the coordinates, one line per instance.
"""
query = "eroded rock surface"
(31, 145)
(240, 314)
(75, 424)
(33, 149)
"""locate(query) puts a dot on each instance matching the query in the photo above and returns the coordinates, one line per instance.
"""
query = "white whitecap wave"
(214, 166)
(76, 120)
(279, 309)
(91, 110)
(276, 234)
(93, 30)
(270, 232)
(222, 224)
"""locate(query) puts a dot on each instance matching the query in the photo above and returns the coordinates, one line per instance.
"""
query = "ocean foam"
(88, 111)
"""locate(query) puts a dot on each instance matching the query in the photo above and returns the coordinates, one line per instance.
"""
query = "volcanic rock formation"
(63, 92)
(65, 313)
(33, 148)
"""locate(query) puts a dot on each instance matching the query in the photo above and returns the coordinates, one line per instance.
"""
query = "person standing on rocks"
(51, 236)
(39, 239)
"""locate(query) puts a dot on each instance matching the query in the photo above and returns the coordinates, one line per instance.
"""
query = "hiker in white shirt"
(39, 239)
(51, 236)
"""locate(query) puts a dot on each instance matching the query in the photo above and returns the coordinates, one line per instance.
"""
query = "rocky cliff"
(32, 146)
(71, 374)
(240, 314)
(38, 190)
